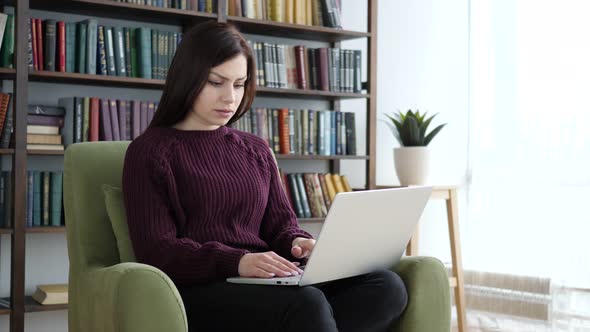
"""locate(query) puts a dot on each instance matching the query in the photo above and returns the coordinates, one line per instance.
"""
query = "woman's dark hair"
(203, 47)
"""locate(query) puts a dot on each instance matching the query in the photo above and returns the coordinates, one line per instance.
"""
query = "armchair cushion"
(113, 197)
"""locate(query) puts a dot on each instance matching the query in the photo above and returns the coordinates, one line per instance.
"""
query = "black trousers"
(368, 302)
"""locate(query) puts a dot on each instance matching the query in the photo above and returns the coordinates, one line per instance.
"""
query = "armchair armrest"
(132, 297)
(429, 299)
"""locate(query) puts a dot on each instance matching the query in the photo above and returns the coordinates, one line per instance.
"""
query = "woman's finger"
(292, 267)
(260, 273)
(282, 266)
(275, 269)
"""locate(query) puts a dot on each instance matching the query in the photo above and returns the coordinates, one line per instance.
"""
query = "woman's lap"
(373, 299)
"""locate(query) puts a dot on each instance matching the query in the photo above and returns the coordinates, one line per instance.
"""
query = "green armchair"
(107, 295)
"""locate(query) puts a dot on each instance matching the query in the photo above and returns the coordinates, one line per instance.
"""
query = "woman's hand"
(267, 265)
(302, 247)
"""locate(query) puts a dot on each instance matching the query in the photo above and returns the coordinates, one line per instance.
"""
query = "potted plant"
(412, 159)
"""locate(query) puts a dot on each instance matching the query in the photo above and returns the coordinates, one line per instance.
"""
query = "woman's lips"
(225, 113)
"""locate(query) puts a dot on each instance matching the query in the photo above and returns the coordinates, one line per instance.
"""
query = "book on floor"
(51, 294)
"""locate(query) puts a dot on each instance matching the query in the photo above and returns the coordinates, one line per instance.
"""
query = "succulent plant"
(409, 128)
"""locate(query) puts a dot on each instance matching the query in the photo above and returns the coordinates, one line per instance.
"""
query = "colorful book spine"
(56, 179)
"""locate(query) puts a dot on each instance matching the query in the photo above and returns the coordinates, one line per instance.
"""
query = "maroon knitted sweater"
(197, 201)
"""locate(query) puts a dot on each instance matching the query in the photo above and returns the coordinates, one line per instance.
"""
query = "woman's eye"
(239, 85)
(215, 83)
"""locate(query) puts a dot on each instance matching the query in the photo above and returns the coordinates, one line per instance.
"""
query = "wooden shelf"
(314, 157)
(5, 306)
(307, 94)
(6, 151)
(45, 153)
(32, 306)
(46, 229)
(124, 11)
(145, 83)
(5, 231)
(296, 31)
(102, 80)
(7, 74)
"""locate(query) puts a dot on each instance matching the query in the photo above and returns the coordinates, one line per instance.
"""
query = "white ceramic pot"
(412, 165)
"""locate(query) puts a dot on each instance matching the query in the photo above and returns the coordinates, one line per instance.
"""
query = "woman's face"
(221, 96)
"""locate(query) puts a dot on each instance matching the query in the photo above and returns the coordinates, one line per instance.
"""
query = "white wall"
(423, 64)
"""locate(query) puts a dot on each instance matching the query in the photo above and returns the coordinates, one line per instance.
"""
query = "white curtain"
(529, 153)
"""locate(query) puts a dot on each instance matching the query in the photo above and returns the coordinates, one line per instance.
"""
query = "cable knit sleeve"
(153, 219)
(279, 224)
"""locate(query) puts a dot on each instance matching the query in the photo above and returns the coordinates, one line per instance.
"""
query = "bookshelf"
(4, 307)
(32, 306)
(46, 229)
(21, 303)
(7, 73)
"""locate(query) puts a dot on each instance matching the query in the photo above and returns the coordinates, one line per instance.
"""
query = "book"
(81, 47)
(70, 41)
(37, 198)
(4, 104)
(7, 49)
(43, 139)
(3, 20)
(91, 45)
(303, 195)
(30, 196)
(45, 110)
(345, 183)
(338, 183)
(298, 206)
(45, 147)
(55, 207)
(331, 186)
(51, 294)
(42, 130)
(60, 63)
(45, 190)
(325, 194)
(43, 120)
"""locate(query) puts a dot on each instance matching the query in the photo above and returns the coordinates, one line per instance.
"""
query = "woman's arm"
(148, 187)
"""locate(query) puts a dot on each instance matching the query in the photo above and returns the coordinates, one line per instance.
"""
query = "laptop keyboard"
(288, 279)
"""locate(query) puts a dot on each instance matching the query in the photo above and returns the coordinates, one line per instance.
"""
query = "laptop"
(364, 231)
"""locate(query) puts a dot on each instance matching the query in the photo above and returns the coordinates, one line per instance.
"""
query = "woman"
(204, 202)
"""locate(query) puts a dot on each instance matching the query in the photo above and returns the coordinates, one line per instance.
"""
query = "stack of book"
(206, 6)
(303, 132)
(89, 48)
(312, 194)
(308, 12)
(44, 124)
(44, 199)
(91, 119)
(300, 67)
(6, 120)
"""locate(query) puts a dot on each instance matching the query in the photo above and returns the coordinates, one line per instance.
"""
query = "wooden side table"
(449, 194)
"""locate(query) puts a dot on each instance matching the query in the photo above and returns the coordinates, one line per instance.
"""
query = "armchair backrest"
(91, 241)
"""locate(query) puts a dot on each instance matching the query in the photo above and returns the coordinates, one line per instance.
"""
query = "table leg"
(452, 215)
(412, 247)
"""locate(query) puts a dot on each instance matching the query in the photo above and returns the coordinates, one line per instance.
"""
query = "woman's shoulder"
(252, 141)
(152, 144)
